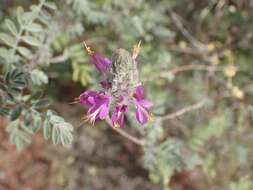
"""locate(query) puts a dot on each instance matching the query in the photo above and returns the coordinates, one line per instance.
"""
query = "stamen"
(116, 125)
(82, 122)
(88, 49)
(136, 50)
(91, 118)
(87, 119)
(150, 117)
(84, 118)
(76, 100)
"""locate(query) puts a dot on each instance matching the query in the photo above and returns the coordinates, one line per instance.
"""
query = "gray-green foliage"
(12, 84)
(163, 160)
(20, 129)
(57, 128)
(26, 35)
(165, 157)
(201, 134)
(26, 49)
(18, 135)
(26, 113)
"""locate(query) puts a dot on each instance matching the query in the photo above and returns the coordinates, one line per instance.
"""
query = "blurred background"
(195, 64)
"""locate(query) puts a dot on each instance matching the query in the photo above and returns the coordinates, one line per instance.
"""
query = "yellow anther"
(230, 71)
(136, 50)
(182, 44)
(88, 120)
(150, 118)
(116, 125)
(238, 93)
(211, 47)
(88, 49)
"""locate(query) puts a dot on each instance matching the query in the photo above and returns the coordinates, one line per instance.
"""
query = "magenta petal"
(104, 111)
(139, 93)
(98, 105)
(145, 103)
(91, 100)
(118, 115)
(114, 116)
(141, 115)
(142, 105)
(92, 109)
(86, 98)
(107, 61)
(101, 63)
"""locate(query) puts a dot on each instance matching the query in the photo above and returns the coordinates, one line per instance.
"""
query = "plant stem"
(125, 134)
(183, 111)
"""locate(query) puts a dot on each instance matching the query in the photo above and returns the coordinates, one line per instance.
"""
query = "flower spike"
(121, 89)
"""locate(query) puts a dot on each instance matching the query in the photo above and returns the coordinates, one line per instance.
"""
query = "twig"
(183, 111)
(141, 142)
(125, 134)
(196, 43)
(185, 50)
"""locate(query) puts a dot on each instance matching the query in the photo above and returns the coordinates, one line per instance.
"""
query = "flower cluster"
(101, 104)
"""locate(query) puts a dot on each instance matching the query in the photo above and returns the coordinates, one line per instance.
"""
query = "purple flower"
(101, 63)
(118, 115)
(98, 104)
(142, 105)
(117, 89)
(88, 97)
